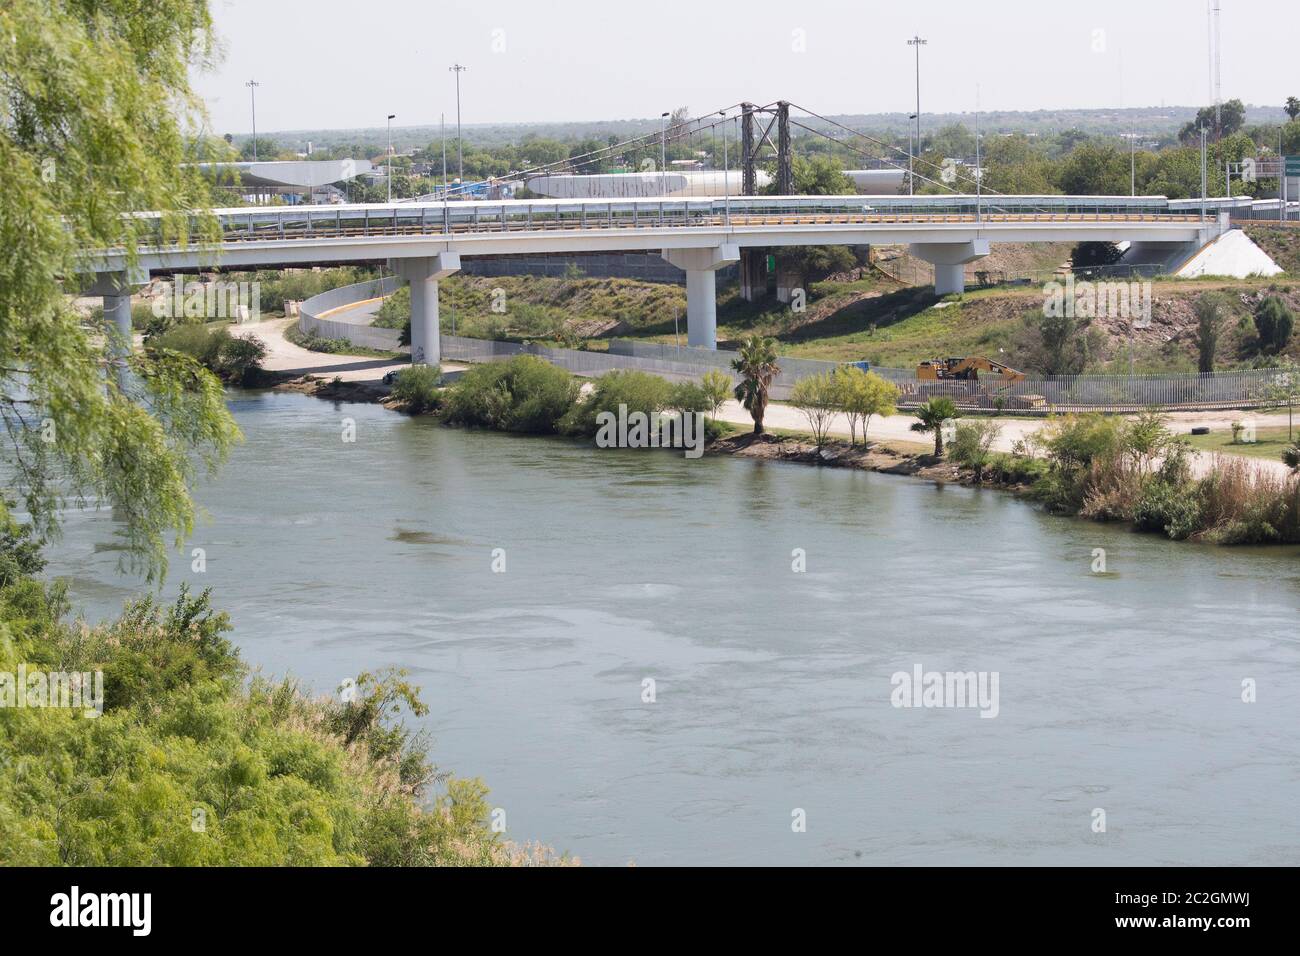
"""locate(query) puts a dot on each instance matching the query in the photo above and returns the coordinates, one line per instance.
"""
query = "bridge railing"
(459, 217)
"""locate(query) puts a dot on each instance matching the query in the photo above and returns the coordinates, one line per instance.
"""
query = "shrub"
(234, 359)
(972, 444)
(522, 394)
(638, 391)
(416, 388)
(1273, 323)
(280, 778)
(1242, 503)
(1168, 508)
(689, 397)
(717, 386)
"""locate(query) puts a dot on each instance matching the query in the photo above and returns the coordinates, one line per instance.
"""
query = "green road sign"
(1293, 165)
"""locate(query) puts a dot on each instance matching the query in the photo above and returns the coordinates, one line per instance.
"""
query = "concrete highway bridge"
(423, 242)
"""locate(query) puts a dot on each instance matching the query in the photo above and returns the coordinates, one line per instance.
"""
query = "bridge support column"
(702, 289)
(423, 275)
(116, 289)
(948, 259)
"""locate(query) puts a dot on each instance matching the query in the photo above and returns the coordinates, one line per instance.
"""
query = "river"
(1119, 692)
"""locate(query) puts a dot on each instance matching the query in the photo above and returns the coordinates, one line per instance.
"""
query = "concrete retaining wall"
(366, 336)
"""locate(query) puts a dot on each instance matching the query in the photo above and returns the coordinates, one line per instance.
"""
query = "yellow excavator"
(966, 370)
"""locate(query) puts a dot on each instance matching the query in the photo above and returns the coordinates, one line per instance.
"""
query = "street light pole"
(726, 172)
(460, 155)
(916, 42)
(389, 171)
(663, 155)
(910, 190)
(252, 96)
(1205, 176)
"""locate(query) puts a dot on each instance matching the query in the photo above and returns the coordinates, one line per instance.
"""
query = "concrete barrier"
(367, 336)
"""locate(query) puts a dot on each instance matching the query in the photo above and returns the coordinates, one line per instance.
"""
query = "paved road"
(899, 428)
(283, 356)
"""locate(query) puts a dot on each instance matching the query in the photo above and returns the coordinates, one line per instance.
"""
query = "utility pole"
(916, 42)
(460, 155)
(388, 173)
(252, 95)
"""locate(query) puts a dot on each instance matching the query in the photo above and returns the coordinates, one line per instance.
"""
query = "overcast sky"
(342, 63)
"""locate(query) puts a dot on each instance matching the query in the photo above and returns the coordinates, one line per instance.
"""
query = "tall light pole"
(916, 42)
(446, 212)
(909, 154)
(1205, 176)
(252, 95)
(460, 155)
(726, 172)
(663, 155)
(389, 171)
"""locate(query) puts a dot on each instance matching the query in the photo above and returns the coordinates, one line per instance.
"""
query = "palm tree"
(931, 417)
(1292, 107)
(757, 367)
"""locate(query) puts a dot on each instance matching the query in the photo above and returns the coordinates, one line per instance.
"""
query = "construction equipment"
(966, 370)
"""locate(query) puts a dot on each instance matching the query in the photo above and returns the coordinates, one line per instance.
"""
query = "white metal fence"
(1242, 389)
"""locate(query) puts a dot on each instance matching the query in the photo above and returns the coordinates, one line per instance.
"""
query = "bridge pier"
(948, 259)
(700, 266)
(423, 274)
(116, 289)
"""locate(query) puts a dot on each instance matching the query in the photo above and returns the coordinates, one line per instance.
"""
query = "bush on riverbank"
(236, 360)
(189, 765)
(522, 394)
(417, 388)
(1136, 471)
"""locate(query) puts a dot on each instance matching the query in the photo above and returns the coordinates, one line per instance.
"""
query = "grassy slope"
(864, 314)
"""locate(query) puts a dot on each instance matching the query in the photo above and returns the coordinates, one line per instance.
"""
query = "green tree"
(1274, 321)
(757, 366)
(717, 386)
(864, 395)
(818, 397)
(1211, 311)
(95, 97)
(972, 445)
(1231, 116)
(930, 418)
(1094, 169)
(1292, 107)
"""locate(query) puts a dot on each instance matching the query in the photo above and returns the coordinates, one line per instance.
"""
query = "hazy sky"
(344, 63)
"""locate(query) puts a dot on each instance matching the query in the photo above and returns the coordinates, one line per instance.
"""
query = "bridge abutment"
(423, 274)
(701, 266)
(949, 259)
